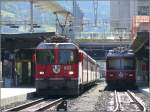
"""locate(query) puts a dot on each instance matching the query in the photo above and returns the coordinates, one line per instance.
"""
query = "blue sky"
(22, 9)
(88, 10)
(103, 13)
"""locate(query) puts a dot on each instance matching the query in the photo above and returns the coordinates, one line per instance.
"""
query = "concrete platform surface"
(145, 90)
(10, 92)
(12, 95)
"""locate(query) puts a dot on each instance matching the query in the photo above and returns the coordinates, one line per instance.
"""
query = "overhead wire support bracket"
(62, 26)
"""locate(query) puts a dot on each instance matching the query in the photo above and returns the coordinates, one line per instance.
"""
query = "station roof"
(23, 41)
(28, 35)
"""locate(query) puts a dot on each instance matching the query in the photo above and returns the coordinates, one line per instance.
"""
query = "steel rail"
(48, 105)
(134, 98)
(116, 101)
(23, 106)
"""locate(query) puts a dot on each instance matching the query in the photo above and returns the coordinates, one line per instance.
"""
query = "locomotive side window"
(67, 57)
(45, 56)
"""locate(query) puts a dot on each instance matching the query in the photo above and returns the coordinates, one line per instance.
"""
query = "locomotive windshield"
(114, 64)
(45, 56)
(121, 64)
(67, 56)
(127, 64)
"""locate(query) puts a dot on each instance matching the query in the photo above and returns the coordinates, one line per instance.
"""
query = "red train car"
(120, 67)
(63, 69)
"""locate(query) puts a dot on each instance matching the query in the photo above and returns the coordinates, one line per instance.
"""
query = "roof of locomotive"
(57, 45)
(116, 53)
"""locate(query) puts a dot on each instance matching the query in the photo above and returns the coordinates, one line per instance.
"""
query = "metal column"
(95, 6)
(0, 53)
(31, 16)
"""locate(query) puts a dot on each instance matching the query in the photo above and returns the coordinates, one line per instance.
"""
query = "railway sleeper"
(62, 106)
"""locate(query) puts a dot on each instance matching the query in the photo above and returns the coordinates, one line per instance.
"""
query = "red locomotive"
(120, 67)
(63, 69)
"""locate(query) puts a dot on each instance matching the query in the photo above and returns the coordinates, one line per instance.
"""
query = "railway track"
(37, 105)
(127, 101)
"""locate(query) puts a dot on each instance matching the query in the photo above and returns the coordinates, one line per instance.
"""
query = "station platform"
(12, 95)
(145, 90)
(143, 87)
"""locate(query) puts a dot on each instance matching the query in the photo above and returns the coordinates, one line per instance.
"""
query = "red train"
(63, 69)
(120, 67)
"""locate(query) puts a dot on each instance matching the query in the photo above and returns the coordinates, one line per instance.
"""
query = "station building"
(140, 45)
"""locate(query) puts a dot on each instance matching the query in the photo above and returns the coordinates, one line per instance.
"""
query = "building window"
(143, 10)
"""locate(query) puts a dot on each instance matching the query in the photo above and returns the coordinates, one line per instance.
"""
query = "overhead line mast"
(95, 6)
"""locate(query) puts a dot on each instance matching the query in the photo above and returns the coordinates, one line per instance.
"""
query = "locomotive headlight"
(130, 75)
(41, 73)
(71, 73)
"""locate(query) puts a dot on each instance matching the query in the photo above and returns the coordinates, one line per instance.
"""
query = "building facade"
(123, 11)
(120, 15)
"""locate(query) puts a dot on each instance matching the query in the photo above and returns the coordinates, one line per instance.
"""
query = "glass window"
(127, 64)
(114, 64)
(143, 10)
(67, 57)
(45, 56)
(122, 64)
